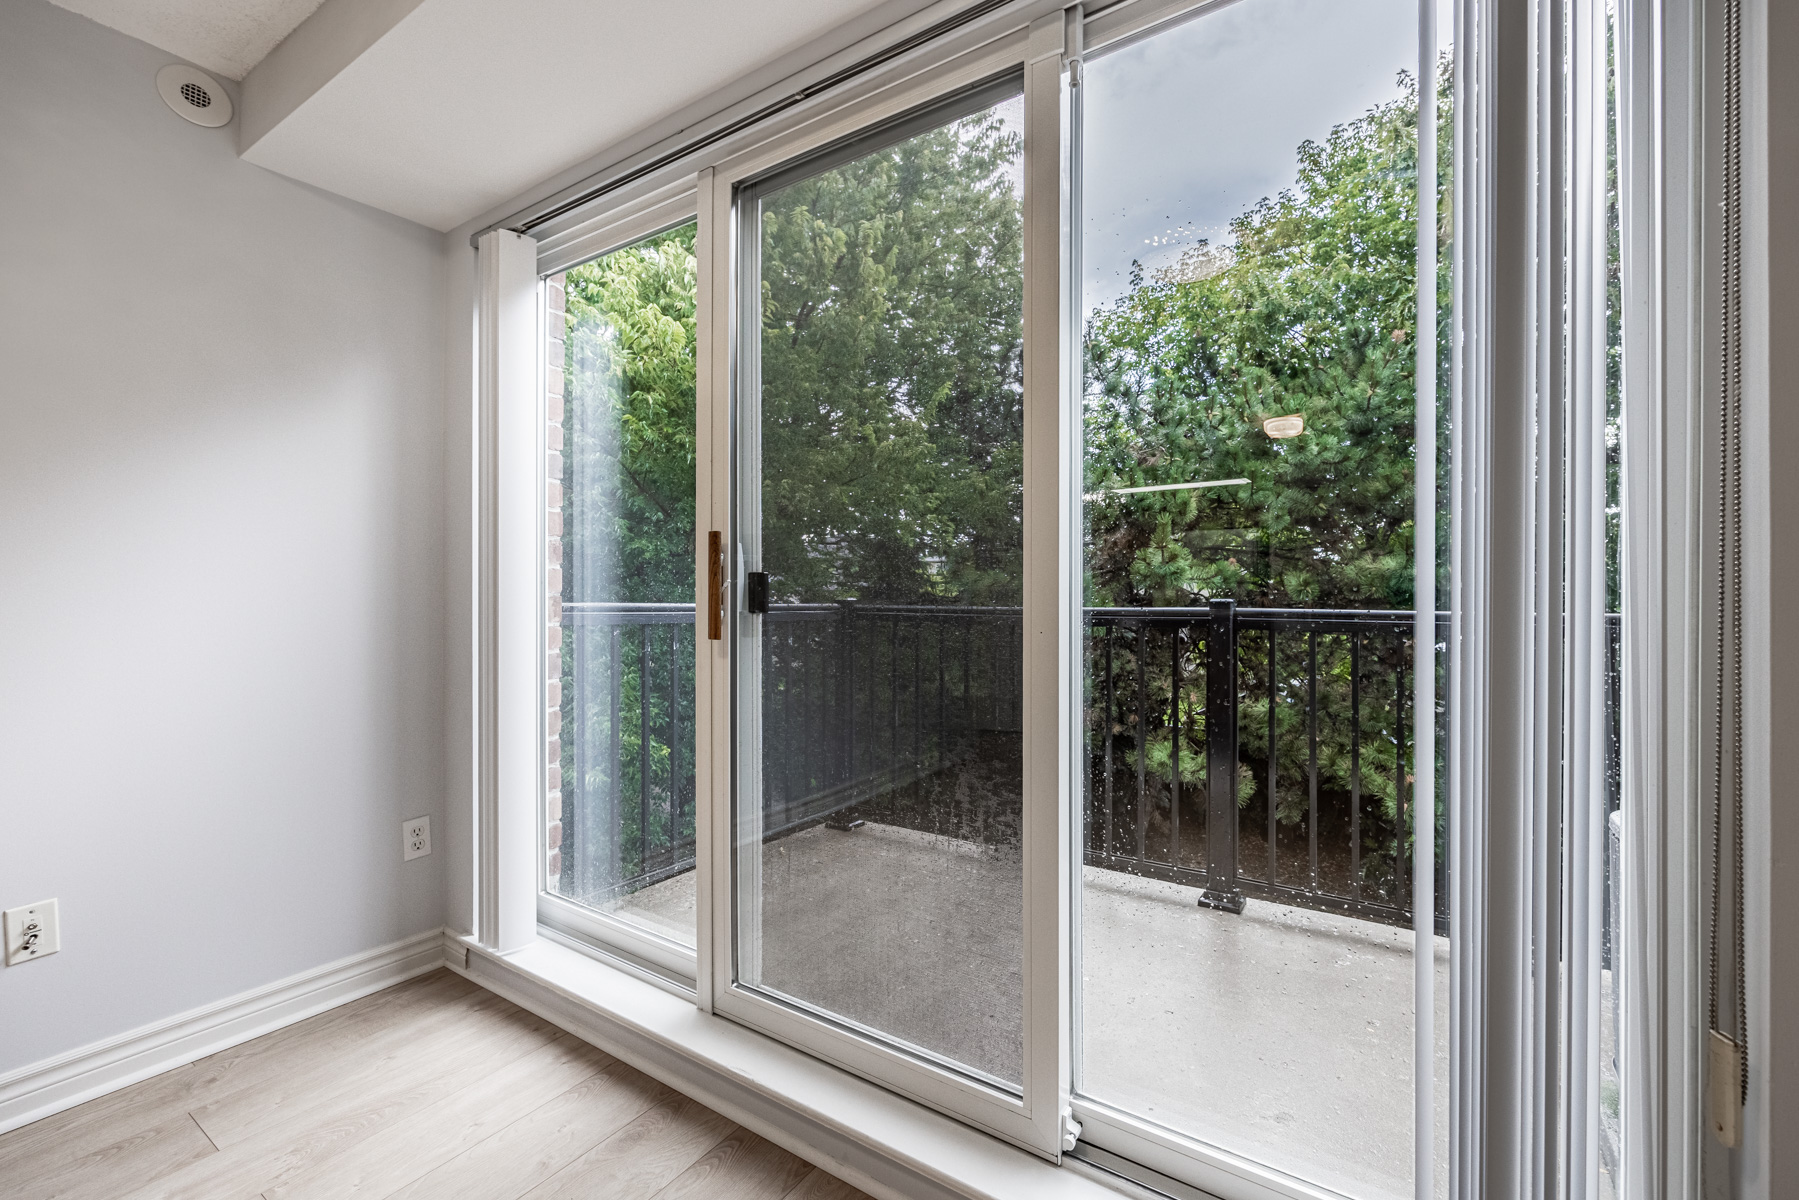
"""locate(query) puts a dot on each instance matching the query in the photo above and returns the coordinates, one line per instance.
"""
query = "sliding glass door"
(878, 860)
(1059, 732)
(1249, 311)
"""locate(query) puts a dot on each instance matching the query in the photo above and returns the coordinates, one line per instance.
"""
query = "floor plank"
(431, 1090)
(532, 1149)
(312, 1081)
(822, 1185)
(279, 1147)
(642, 1158)
(741, 1166)
(147, 1104)
(110, 1170)
(382, 1164)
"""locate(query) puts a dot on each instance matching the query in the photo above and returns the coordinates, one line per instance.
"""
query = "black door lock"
(755, 591)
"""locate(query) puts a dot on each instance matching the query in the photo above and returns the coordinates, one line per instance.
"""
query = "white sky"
(1187, 128)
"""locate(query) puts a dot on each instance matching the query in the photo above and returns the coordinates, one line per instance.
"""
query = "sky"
(1192, 125)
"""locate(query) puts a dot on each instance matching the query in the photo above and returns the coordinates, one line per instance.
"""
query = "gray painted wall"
(221, 551)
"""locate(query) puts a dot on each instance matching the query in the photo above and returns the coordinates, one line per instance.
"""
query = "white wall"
(221, 551)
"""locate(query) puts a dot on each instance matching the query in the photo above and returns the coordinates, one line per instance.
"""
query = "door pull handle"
(715, 585)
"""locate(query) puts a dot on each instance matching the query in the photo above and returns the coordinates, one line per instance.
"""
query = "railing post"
(1221, 760)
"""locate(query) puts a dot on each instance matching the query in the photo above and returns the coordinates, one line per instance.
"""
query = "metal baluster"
(614, 789)
(918, 700)
(1000, 677)
(1443, 741)
(1399, 816)
(1015, 676)
(1222, 890)
(574, 790)
(830, 698)
(575, 703)
(1273, 754)
(1174, 758)
(893, 701)
(820, 724)
(943, 630)
(643, 751)
(675, 839)
(1111, 842)
(791, 751)
(1142, 745)
(1355, 764)
(967, 686)
(1312, 751)
(849, 707)
(1090, 823)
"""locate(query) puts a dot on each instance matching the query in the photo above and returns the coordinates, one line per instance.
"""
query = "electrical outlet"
(31, 932)
(417, 838)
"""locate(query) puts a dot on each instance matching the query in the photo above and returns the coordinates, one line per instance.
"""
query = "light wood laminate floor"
(432, 1090)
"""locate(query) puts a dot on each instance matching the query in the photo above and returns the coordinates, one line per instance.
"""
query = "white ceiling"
(227, 37)
(440, 110)
(463, 104)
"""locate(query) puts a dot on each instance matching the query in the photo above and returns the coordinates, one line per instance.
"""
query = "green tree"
(1310, 312)
(892, 417)
(628, 512)
(892, 379)
(630, 451)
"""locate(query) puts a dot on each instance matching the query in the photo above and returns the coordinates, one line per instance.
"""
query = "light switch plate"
(31, 932)
(416, 838)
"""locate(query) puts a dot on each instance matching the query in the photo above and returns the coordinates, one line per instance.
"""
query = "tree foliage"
(892, 378)
(891, 419)
(630, 454)
(628, 519)
(1310, 311)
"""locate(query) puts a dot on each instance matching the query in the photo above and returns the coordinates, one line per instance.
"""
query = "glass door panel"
(624, 540)
(1248, 248)
(878, 861)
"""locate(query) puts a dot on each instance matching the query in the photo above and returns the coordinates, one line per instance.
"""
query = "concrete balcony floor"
(1281, 1035)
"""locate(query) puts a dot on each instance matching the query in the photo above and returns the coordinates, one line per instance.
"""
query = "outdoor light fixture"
(1164, 487)
(1284, 427)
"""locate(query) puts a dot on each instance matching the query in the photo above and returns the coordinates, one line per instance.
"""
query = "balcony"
(1249, 942)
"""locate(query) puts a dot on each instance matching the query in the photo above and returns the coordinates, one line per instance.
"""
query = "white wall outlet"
(417, 838)
(31, 932)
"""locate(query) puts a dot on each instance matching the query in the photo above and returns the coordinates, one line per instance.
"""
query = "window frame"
(1661, 150)
(636, 948)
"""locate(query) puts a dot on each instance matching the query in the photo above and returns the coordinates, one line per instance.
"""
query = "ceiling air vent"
(194, 94)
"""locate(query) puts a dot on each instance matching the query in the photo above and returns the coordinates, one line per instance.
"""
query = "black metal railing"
(863, 702)
(627, 747)
(1257, 752)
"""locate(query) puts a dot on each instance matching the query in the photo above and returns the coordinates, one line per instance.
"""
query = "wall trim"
(40, 1089)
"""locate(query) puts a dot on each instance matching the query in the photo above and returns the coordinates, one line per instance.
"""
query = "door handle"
(715, 585)
(755, 592)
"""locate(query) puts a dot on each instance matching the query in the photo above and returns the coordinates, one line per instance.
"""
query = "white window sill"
(882, 1143)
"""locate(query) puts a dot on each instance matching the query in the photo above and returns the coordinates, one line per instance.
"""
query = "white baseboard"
(39, 1089)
